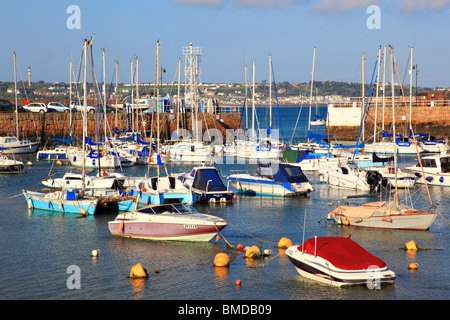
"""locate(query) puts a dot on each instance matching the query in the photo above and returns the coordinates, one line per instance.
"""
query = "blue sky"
(231, 33)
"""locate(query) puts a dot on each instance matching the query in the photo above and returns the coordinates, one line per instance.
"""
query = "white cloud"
(414, 6)
(343, 5)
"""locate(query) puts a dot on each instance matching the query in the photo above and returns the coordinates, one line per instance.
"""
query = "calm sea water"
(37, 248)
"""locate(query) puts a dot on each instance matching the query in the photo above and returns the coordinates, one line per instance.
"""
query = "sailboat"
(8, 165)
(66, 200)
(385, 214)
(159, 190)
(12, 144)
(262, 144)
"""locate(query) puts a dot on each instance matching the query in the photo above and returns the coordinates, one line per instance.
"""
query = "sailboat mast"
(384, 85)
(157, 103)
(137, 96)
(84, 114)
(246, 102)
(104, 92)
(270, 93)
(311, 92)
(376, 101)
(15, 96)
(393, 120)
(410, 85)
(253, 103)
(178, 97)
(117, 86)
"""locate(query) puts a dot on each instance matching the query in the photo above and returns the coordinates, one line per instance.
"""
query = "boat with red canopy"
(340, 262)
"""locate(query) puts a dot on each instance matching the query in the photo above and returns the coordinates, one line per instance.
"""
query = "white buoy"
(95, 253)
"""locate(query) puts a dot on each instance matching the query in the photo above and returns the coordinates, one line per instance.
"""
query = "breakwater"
(56, 125)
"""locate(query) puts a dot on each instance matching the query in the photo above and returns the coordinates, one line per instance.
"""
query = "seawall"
(344, 122)
(57, 125)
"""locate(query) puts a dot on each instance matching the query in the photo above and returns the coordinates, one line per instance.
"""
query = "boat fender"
(441, 179)
(221, 260)
(284, 243)
(121, 225)
(138, 271)
(386, 219)
(346, 222)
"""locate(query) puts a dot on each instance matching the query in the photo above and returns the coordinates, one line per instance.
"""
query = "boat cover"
(379, 208)
(283, 172)
(202, 176)
(343, 253)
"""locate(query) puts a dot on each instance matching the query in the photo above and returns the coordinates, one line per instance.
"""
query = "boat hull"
(267, 188)
(407, 221)
(165, 230)
(314, 268)
(37, 200)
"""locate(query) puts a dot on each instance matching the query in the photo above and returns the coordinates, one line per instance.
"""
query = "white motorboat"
(339, 262)
(436, 170)
(400, 179)
(272, 179)
(8, 165)
(12, 145)
(179, 222)
(345, 175)
(207, 185)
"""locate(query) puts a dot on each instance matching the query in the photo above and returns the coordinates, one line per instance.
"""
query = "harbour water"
(38, 248)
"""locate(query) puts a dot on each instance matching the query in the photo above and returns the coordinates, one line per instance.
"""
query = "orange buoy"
(284, 243)
(411, 245)
(240, 247)
(222, 260)
(238, 282)
(413, 266)
(138, 271)
(217, 238)
(253, 252)
(346, 222)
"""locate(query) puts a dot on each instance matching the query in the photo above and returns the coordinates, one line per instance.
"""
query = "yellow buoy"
(253, 252)
(411, 245)
(59, 163)
(346, 222)
(222, 260)
(138, 271)
(413, 266)
(284, 243)
(29, 163)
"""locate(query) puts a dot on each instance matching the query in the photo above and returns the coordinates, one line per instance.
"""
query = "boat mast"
(384, 85)
(178, 97)
(246, 102)
(137, 97)
(376, 101)
(410, 85)
(15, 96)
(84, 113)
(253, 102)
(311, 92)
(117, 85)
(157, 104)
(270, 94)
(104, 92)
(393, 121)
(363, 59)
